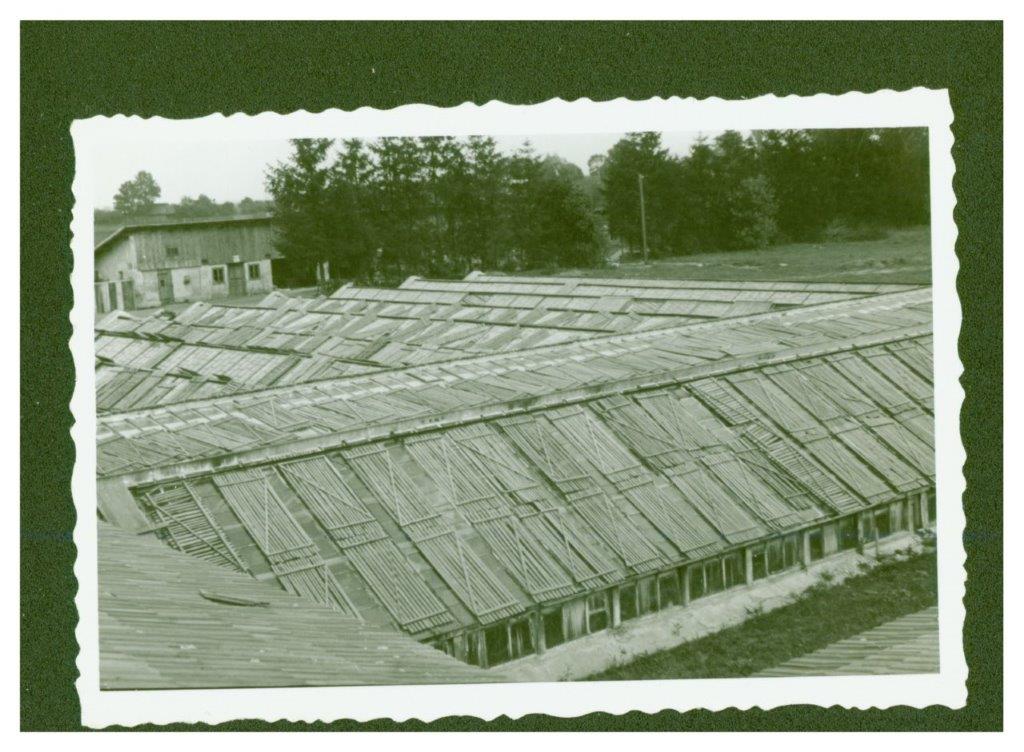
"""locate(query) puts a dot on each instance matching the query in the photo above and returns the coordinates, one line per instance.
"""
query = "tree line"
(736, 191)
(439, 206)
(136, 201)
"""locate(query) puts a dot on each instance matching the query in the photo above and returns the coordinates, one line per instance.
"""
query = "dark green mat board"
(181, 70)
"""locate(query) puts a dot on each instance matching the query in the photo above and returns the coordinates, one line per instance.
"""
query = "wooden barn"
(500, 467)
(150, 265)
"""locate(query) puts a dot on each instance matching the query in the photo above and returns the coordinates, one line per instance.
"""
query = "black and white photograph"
(514, 405)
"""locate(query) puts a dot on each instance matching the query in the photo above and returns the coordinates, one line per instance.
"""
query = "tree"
(201, 206)
(639, 154)
(401, 207)
(565, 230)
(751, 211)
(742, 205)
(137, 195)
(382, 210)
(787, 160)
(303, 205)
(446, 187)
(899, 166)
(593, 183)
(517, 221)
(485, 192)
(547, 218)
(696, 194)
(349, 197)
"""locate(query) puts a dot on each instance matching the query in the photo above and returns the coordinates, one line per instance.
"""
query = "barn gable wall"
(117, 260)
(204, 245)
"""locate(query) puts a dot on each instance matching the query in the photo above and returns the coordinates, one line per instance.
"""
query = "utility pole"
(643, 216)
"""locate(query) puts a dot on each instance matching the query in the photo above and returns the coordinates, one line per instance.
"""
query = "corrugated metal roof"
(159, 631)
(450, 494)
(473, 523)
(464, 520)
(354, 407)
(849, 288)
(284, 340)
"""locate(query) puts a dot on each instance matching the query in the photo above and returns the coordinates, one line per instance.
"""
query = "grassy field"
(822, 616)
(904, 256)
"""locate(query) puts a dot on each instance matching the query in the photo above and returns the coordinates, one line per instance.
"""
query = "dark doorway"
(628, 606)
(817, 544)
(497, 645)
(236, 279)
(553, 630)
(128, 293)
(165, 287)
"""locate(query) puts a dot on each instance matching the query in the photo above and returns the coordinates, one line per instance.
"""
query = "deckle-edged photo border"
(917, 107)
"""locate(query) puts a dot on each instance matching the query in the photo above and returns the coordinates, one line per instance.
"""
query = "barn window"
(574, 618)
(628, 606)
(817, 544)
(713, 581)
(218, 275)
(668, 587)
(790, 551)
(899, 518)
(497, 644)
(759, 560)
(847, 533)
(553, 632)
(734, 574)
(776, 557)
(647, 591)
(171, 251)
(520, 638)
(696, 576)
(254, 271)
(475, 654)
(883, 523)
(597, 612)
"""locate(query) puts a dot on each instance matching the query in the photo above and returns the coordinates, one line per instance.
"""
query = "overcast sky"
(230, 171)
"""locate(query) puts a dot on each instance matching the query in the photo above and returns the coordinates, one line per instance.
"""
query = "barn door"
(166, 289)
(236, 279)
(128, 293)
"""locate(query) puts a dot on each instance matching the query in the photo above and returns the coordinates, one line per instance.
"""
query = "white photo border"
(917, 107)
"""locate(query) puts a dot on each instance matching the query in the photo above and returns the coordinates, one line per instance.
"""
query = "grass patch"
(822, 615)
(900, 256)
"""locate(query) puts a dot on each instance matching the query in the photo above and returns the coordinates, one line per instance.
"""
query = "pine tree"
(303, 204)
